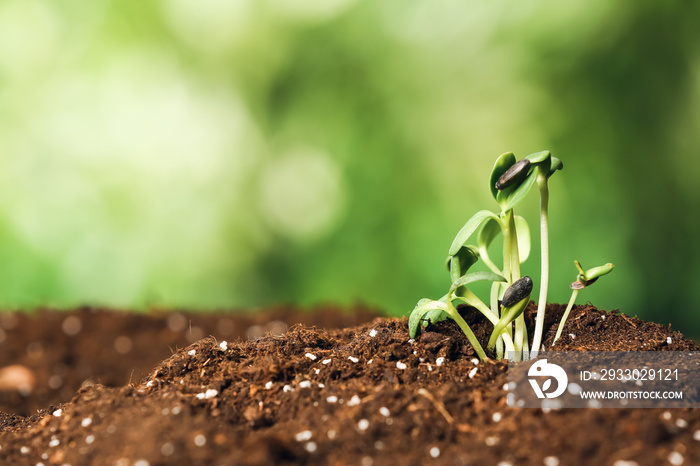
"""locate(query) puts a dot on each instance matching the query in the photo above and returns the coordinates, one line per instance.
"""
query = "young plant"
(545, 166)
(583, 280)
(510, 182)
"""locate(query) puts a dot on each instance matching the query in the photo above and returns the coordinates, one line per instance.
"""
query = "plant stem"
(513, 247)
(508, 343)
(507, 251)
(484, 256)
(544, 265)
(473, 300)
(574, 293)
(520, 337)
(465, 328)
(495, 288)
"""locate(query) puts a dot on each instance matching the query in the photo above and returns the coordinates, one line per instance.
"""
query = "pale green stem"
(465, 328)
(544, 265)
(498, 330)
(520, 338)
(526, 344)
(505, 338)
(484, 256)
(506, 251)
(514, 254)
(566, 315)
(495, 287)
(473, 300)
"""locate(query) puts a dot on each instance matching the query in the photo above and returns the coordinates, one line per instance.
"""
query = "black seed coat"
(514, 174)
(519, 290)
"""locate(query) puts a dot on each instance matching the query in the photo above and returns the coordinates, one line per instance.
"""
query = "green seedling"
(515, 300)
(510, 182)
(583, 280)
(446, 305)
(545, 165)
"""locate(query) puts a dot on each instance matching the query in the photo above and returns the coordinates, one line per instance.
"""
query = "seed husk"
(515, 174)
(518, 291)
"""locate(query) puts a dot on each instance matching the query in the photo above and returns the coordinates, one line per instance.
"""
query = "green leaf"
(539, 157)
(556, 165)
(509, 198)
(423, 307)
(462, 261)
(522, 230)
(546, 161)
(435, 316)
(469, 228)
(503, 163)
(590, 276)
(596, 272)
(488, 233)
(475, 277)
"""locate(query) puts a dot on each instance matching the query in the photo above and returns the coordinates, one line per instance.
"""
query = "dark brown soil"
(63, 351)
(362, 395)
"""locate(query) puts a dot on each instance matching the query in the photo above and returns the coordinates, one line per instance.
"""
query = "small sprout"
(544, 167)
(583, 280)
(514, 175)
(589, 277)
(515, 300)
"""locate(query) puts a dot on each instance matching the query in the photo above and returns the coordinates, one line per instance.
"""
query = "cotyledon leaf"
(522, 230)
(475, 277)
(539, 157)
(509, 198)
(469, 228)
(503, 163)
(435, 316)
(423, 307)
(489, 230)
(556, 165)
(461, 262)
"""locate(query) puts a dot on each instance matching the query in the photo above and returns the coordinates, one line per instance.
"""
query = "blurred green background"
(241, 153)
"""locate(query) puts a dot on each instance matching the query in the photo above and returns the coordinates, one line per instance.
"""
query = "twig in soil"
(628, 320)
(439, 406)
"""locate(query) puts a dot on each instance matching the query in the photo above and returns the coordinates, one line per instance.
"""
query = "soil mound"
(360, 395)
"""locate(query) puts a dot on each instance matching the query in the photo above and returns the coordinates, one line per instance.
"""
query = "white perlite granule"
(675, 458)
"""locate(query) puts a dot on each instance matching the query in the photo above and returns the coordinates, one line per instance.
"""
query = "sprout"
(583, 280)
(515, 300)
(545, 166)
(510, 182)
